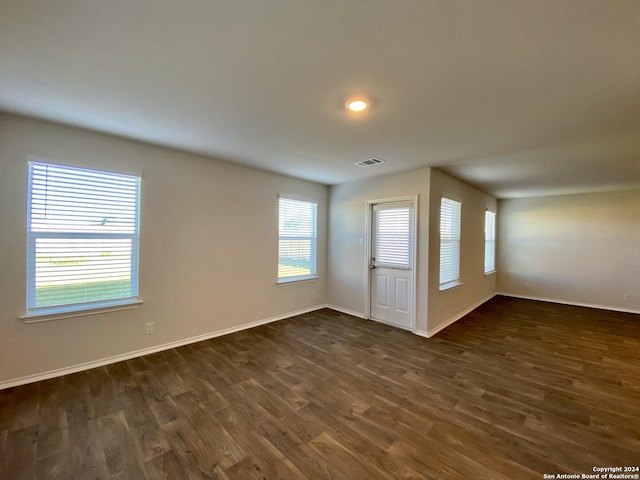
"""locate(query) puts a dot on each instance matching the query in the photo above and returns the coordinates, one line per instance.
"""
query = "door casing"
(413, 199)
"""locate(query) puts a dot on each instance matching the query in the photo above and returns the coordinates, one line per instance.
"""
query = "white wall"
(208, 248)
(582, 248)
(448, 305)
(347, 225)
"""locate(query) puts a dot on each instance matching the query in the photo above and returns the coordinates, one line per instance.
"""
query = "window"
(450, 213)
(297, 225)
(393, 239)
(82, 239)
(489, 241)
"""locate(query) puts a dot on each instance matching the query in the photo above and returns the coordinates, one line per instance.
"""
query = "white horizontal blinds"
(450, 215)
(393, 235)
(297, 225)
(489, 241)
(82, 236)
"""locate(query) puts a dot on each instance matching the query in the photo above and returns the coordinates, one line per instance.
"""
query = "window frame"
(453, 282)
(312, 238)
(491, 242)
(37, 314)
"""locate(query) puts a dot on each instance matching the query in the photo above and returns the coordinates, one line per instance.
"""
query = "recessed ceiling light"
(357, 104)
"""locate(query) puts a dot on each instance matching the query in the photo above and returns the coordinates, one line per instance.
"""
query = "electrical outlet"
(150, 328)
(627, 297)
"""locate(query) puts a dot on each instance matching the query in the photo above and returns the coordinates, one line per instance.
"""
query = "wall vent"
(368, 163)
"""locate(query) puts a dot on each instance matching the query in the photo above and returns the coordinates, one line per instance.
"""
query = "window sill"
(449, 286)
(57, 313)
(492, 272)
(289, 281)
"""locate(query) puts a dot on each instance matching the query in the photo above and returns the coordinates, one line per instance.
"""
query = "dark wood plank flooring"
(514, 390)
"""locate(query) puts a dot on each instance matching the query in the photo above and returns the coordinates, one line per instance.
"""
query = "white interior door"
(392, 263)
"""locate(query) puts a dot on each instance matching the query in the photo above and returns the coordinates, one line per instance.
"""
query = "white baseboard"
(567, 302)
(421, 333)
(455, 318)
(146, 351)
(347, 311)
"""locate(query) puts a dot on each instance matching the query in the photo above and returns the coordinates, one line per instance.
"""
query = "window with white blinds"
(297, 240)
(450, 216)
(82, 239)
(392, 241)
(489, 241)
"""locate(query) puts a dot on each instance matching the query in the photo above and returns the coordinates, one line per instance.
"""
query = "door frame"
(368, 246)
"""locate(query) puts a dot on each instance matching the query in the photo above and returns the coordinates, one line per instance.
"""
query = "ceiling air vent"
(368, 163)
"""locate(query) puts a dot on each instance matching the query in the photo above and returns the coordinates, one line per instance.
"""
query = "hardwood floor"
(514, 390)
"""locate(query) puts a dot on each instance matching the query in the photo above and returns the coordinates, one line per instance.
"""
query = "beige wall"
(581, 249)
(208, 251)
(347, 280)
(448, 305)
(348, 259)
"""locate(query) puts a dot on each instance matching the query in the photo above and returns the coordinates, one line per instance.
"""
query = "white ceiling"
(521, 97)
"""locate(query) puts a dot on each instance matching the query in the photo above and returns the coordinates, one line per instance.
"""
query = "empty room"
(298, 239)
